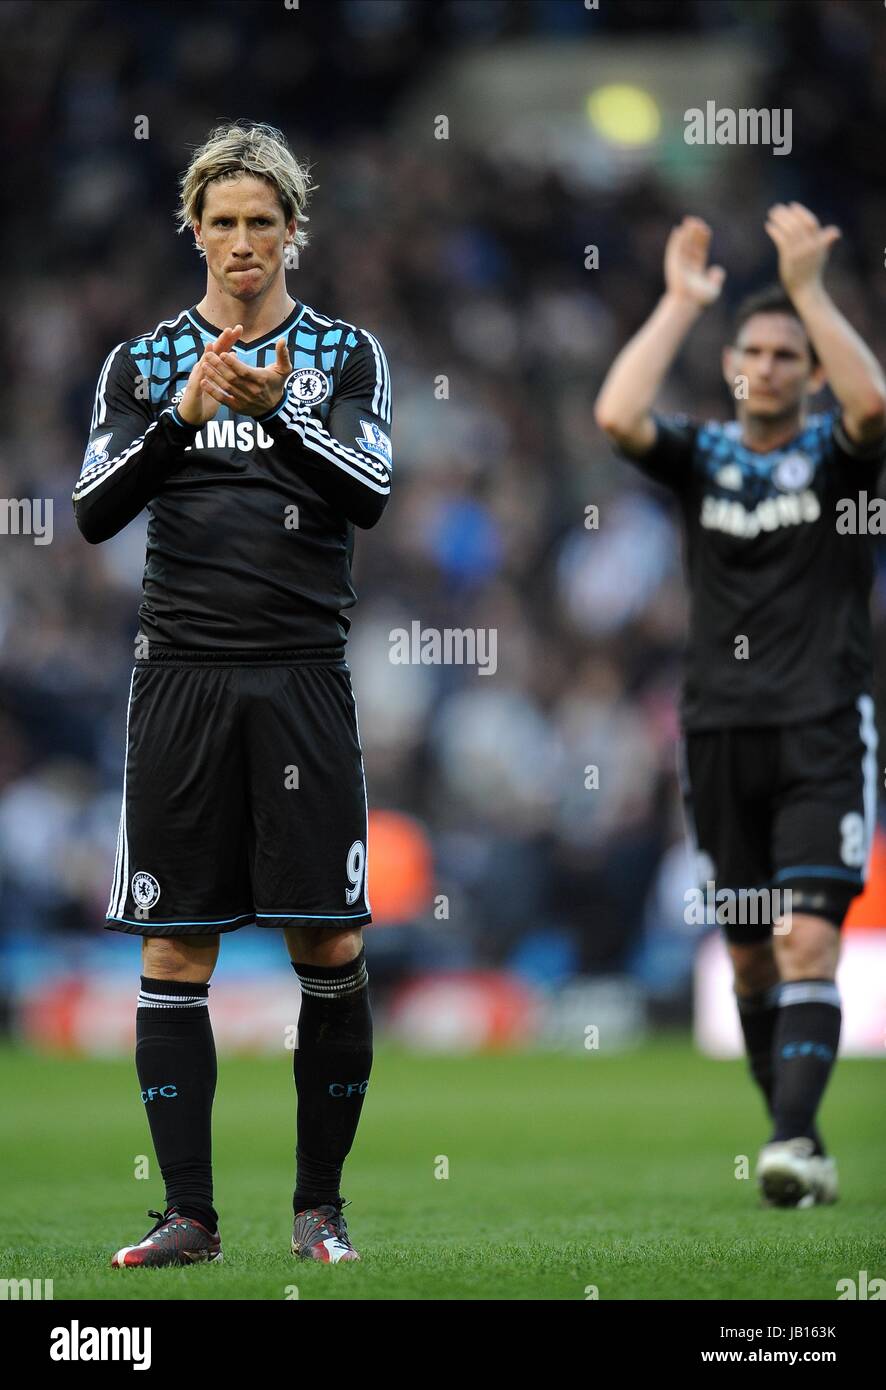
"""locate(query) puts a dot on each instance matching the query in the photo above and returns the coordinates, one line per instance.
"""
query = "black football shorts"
(784, 808)
(244, 798)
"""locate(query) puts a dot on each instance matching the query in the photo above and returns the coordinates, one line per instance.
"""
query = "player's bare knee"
(314, 945)
(190, 958)
(754, 967)
(807, 948)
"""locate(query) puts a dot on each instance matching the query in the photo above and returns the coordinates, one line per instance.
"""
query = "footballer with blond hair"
(256, 433)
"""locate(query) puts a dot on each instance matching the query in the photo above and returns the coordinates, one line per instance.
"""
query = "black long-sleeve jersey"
(780, 629)
(250, 531)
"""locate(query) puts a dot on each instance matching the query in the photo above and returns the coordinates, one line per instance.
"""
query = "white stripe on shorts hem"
(121, 866)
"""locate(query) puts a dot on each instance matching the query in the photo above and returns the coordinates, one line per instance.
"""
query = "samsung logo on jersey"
(232, 434)
(724, 514)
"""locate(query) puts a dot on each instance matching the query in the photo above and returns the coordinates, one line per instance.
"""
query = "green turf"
(564, 1172)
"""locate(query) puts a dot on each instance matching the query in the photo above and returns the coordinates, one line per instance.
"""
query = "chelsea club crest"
(792, 472)
(309, 386)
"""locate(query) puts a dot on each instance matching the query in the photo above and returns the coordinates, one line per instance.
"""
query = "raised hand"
(687, 273)
(246, 390)
(803, 244)
(198, 405)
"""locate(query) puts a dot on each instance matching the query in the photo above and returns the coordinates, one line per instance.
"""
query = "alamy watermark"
(448, 646)
(861, 516)
(27, 516)
(738, 907)
(739, 126)
(76, 1343)
(12, 1289)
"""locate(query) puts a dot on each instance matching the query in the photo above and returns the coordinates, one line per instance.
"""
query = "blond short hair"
(246, 147)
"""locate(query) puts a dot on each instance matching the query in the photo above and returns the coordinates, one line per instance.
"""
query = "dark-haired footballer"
(779, 744)
(256, 432)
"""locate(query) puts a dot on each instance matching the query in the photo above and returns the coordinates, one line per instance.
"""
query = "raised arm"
(624, 406)
(854, 374)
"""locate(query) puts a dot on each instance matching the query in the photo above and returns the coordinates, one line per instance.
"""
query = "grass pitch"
(566, 1174)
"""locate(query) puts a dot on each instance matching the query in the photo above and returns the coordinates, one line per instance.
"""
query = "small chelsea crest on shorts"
(309, 386)
(97, 451)
(145, 889)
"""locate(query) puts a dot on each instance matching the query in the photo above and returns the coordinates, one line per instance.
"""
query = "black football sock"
(757, 1014)
(176, 1064)
(806, 1037)
(332, 1064)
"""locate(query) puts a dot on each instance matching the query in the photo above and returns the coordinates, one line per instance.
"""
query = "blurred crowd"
(471, 271)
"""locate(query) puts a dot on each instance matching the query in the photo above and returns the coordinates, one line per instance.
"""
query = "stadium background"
(511, 903)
